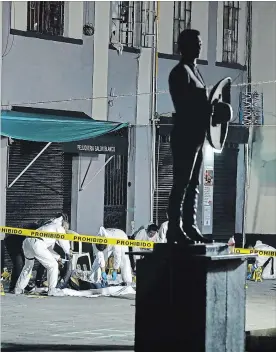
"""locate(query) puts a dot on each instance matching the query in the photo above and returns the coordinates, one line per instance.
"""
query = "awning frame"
(29, 165)
(96, 174)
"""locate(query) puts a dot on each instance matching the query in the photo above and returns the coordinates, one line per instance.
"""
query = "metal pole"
(86, 173)
(245, 193)
(153, 107)
(28, 166)
(97, 173)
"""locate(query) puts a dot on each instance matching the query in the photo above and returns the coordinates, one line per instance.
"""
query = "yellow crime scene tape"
(255, 251)
(76, 238)
(106, 240)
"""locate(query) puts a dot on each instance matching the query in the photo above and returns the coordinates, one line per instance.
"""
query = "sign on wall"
(208, 189)
(101, 145)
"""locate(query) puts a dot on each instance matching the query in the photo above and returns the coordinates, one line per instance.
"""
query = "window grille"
(46, 17)
(181, 20)
(125, 18)
(230, 31)
(133, 23)
(115, 196)
(147, 24)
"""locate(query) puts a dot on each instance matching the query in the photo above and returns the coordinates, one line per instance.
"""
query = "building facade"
(111, 61)
(261, 199)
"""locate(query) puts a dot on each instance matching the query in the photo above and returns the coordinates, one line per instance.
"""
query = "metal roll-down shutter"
(225, 185)
(44, 189)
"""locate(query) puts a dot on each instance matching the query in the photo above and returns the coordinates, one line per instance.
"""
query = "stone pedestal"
(190, 299)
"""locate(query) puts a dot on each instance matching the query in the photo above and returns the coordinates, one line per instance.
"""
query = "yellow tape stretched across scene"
(108, 241)
(76, 238)
(255, 251)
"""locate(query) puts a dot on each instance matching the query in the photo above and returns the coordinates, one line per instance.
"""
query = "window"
(181, 20)
(133, 23)
(124, 19)
(46, 17)
(230, 31)
(147, 23)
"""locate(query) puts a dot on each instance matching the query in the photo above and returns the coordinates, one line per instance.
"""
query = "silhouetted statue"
(191, 122)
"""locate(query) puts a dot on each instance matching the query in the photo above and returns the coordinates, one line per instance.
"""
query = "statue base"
(190, 298)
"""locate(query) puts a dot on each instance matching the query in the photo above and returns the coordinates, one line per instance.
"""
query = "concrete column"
(100, 72)
(87, 209)
(131, 181)
(88, 204)
(143, 152)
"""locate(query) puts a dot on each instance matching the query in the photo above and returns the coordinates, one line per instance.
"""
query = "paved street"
(98, 324)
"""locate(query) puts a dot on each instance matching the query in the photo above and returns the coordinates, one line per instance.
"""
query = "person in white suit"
(162, 232)
(42, 250)
(146, 234)
(103, 252)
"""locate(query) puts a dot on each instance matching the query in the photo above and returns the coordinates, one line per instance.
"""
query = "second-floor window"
(133, 23)
(181, 20)
(230, 31)
(125, 17)
(46, 17)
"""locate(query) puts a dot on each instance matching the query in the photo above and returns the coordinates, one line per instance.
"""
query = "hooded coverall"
(42, 250)
(121, 259)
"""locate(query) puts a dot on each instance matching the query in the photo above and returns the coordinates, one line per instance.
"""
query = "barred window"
(181, 20)
(230, 31)
(133, 23)
(147, 23)
(125, 17)
(46, 17)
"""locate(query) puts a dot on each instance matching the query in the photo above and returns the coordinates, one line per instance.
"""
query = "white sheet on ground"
(114, 291)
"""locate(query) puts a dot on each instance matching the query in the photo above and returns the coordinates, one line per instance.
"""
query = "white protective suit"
(42, 250)
(163, 231)
(142, 235)
(121, 259)
(269, 271)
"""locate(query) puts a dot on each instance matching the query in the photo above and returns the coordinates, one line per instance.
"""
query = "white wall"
(165, 27)
(200, 18)
(261, 204)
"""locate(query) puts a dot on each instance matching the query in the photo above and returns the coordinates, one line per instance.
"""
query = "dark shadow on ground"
(63, 348)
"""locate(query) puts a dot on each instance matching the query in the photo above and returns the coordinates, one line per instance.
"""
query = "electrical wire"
(125, 95)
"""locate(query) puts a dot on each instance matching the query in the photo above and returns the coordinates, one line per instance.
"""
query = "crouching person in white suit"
(42, 250)
(149, 234)
(103, 252)
(163, 231)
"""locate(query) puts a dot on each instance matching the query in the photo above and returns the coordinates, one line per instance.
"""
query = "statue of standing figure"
(195, 114)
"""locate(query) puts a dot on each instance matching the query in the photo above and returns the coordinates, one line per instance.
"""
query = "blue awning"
(51, 128)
